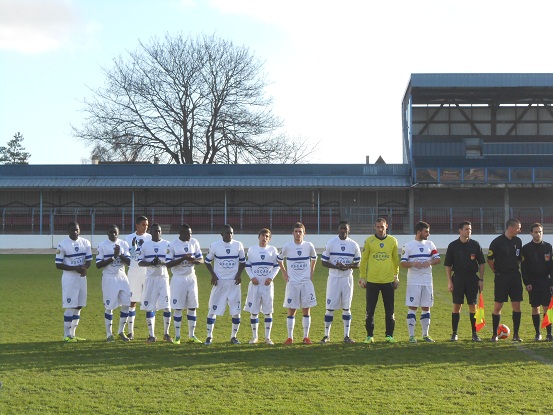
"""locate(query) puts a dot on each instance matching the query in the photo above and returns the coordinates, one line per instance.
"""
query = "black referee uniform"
(465, 259)
(536, 271)
(506, 255)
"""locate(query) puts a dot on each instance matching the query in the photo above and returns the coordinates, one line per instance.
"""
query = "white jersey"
(105, 251)
(345, 251)
(262, 263)
(135, 242)
(419, 251)
(227, 256)
(177, 249)
(73, 253)
(148, 251)
(298, 261)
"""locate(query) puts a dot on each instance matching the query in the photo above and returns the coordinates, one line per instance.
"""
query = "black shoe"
(494, 339)
(475, 338)
(538, 337)
(516, 338)
(549, 338)
(454, 337)
(325, 339)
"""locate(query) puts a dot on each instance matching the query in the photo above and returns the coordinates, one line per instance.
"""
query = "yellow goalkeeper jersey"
(379, 260)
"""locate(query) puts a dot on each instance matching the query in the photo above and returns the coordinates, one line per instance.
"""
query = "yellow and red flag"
(479, 316)
(548, 316)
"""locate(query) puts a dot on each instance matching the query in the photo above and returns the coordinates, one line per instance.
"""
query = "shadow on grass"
(95, 355)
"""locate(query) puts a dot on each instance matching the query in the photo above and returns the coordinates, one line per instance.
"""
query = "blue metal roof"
(139, 176)
(483, 80)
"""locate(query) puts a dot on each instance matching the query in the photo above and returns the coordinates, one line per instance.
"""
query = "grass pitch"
(42, 375)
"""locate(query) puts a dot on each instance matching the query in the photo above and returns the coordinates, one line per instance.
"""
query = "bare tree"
(185, 100)
(14, 152)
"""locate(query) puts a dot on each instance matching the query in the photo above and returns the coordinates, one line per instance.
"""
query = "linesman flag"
(479, 316)
(548, 316)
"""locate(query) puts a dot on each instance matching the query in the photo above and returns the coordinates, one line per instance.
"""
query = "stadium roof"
(480, 87)
(213, 176)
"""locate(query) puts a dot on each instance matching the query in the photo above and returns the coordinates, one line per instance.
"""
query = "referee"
(464, 264)
(504, 256)
(536, 275)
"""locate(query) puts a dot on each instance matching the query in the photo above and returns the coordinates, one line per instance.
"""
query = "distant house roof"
(140, 176)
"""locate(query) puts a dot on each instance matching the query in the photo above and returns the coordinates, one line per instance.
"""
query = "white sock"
(329, 317)
(123, 317)
(306, 321)
(177, 320)
(108, 319)
(151, 322)
(235, 325)
(254, 322)
(191, 317)
(290, 323)
(346, 318)
(130, 320)
(75, 321)
(425, 322)
(211, 318)
(67, 320)
(268, 325)
(166, 320)
(411, 322)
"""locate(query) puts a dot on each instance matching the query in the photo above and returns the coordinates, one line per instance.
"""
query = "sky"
(338, 70)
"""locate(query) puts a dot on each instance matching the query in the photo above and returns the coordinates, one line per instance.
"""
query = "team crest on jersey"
(421, 249)
(76, 249)
(58, 251)
(547, 257)
(299, 253)
(343, 248)
(228, 251)
(472, 257)
(156, 250)
(381, 245)
(518, 252)
(263, 257)
(185, 249)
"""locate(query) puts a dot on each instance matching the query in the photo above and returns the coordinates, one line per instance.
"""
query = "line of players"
(149, 256)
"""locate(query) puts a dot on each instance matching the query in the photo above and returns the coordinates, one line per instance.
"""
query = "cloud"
(32, 26)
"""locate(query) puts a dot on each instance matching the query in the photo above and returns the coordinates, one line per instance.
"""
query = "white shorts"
(184, 292)
(225, 292)
(116, 291)
(419, 296)
(300, 296)
(156, 294)
(339, 292)
(73, 291)
(137, 278)
(260, 298)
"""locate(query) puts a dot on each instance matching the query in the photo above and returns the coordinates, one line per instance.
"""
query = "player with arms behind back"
(113, 255)
(418, 256)
(301, 259)
(262, 268)
(73, 256)
(341, 256)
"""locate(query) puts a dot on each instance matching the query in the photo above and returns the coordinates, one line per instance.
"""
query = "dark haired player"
(464, 264)
(504, 257)
(536, 275)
